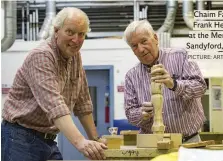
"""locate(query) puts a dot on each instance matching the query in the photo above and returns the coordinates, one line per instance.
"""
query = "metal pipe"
(50, 14)
(27, 20)
(37, 22)
(10, 25)
(62, 4)
(210, 4)
(135, 10)
(30, 28)
(200, 5)
(168, 24)
(34, 25)
(23, 23)
(188, 13)
(146, 9)
(164, 39)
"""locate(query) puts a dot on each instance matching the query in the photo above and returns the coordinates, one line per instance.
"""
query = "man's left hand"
(161, 75)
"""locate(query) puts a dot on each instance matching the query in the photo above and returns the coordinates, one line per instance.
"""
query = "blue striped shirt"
(182, 108)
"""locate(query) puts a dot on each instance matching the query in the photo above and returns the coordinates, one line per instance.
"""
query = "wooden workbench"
(132, 152)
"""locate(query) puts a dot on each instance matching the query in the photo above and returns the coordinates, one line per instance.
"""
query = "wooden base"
(135, 153)
(167, 140)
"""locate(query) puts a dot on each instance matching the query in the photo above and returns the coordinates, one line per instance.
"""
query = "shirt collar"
(57, 51)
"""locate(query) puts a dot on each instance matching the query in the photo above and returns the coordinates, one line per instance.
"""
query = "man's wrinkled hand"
(161, 75)
(93, 150)
(102, 140)
(147, 110)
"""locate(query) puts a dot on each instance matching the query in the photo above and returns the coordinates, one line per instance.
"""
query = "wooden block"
(129, 137)
(165, 144)
(114, 141)
(177, 139)
(129, 132)
(198, 144)
(148, 140)
(216, 136)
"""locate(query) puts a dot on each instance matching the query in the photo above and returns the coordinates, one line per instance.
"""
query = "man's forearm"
(67, 127)
(87, 122)
(189, 89)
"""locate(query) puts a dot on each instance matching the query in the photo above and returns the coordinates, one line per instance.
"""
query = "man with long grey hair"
(183, 85)
(49, 86)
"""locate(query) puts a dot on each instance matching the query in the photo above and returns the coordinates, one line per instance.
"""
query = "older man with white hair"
(49, 86)
(182, 80)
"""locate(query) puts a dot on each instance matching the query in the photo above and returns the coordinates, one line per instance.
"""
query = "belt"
(186, 138)
(45, 136)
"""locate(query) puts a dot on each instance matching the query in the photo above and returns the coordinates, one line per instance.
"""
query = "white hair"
(67, 12)
(143, 25)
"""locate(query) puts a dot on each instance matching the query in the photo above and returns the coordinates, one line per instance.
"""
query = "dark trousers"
(21, 144)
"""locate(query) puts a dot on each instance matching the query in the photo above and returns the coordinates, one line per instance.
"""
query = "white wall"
(98, 52)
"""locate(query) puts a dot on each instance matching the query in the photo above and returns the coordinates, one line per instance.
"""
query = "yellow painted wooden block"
(114, 141)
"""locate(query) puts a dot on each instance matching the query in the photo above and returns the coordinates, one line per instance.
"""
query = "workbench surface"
(135, 153)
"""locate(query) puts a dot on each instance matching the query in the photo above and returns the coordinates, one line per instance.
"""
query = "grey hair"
(67, 12)
(133, 26)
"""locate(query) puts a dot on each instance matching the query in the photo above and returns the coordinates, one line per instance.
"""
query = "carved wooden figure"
(157, 101)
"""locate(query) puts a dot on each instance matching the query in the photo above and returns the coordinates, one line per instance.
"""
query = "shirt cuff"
(180, 87)
(83, 110)
(57, 112)
(145, 122)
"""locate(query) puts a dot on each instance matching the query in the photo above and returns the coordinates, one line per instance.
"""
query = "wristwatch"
(174, 84)
(96, 138)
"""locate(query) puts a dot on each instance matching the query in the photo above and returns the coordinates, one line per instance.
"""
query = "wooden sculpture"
(157, 101)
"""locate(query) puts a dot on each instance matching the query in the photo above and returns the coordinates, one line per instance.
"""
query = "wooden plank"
(215, 147)
(198, 144)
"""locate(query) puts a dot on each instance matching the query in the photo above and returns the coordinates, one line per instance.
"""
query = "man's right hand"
(147, 110)
(91, 149)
